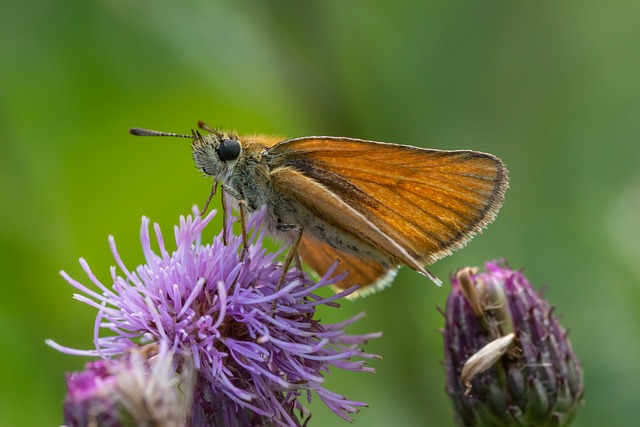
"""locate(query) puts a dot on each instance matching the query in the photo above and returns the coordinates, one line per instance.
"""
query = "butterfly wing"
(319, 256)
(418, 205)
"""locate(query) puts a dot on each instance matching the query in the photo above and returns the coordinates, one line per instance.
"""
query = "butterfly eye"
(229, 150)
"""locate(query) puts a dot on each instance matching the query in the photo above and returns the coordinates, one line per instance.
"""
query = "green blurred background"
(551, 87)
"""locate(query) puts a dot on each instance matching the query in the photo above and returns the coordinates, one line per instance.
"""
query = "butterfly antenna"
(149, 132)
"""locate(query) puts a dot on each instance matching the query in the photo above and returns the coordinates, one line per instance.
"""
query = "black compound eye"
(229, 150)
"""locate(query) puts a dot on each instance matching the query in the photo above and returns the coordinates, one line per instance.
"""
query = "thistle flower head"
(507, 359)
(255, 348)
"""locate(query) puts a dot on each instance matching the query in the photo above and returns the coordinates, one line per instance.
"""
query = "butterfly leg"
(213, 192)
(292, 255)
(243, 226)
(225, 213)
(227, 191)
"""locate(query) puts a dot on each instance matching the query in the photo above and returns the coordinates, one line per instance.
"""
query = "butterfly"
(372, 205)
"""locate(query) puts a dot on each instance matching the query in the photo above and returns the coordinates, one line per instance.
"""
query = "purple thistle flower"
(507, 359)
(255, 349)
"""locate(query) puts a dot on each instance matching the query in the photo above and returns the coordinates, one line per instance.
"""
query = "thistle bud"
(140, 388)
(91, 397)
(508, 362)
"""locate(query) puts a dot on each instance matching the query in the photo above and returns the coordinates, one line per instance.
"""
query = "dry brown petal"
(485, 358)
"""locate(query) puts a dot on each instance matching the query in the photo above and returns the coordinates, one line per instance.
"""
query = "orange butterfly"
(373, 205)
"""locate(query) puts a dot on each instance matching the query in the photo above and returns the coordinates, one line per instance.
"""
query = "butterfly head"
(215, 154)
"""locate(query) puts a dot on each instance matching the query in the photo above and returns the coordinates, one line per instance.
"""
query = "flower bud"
(139, 388)
(507, 359)
(91, 398)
